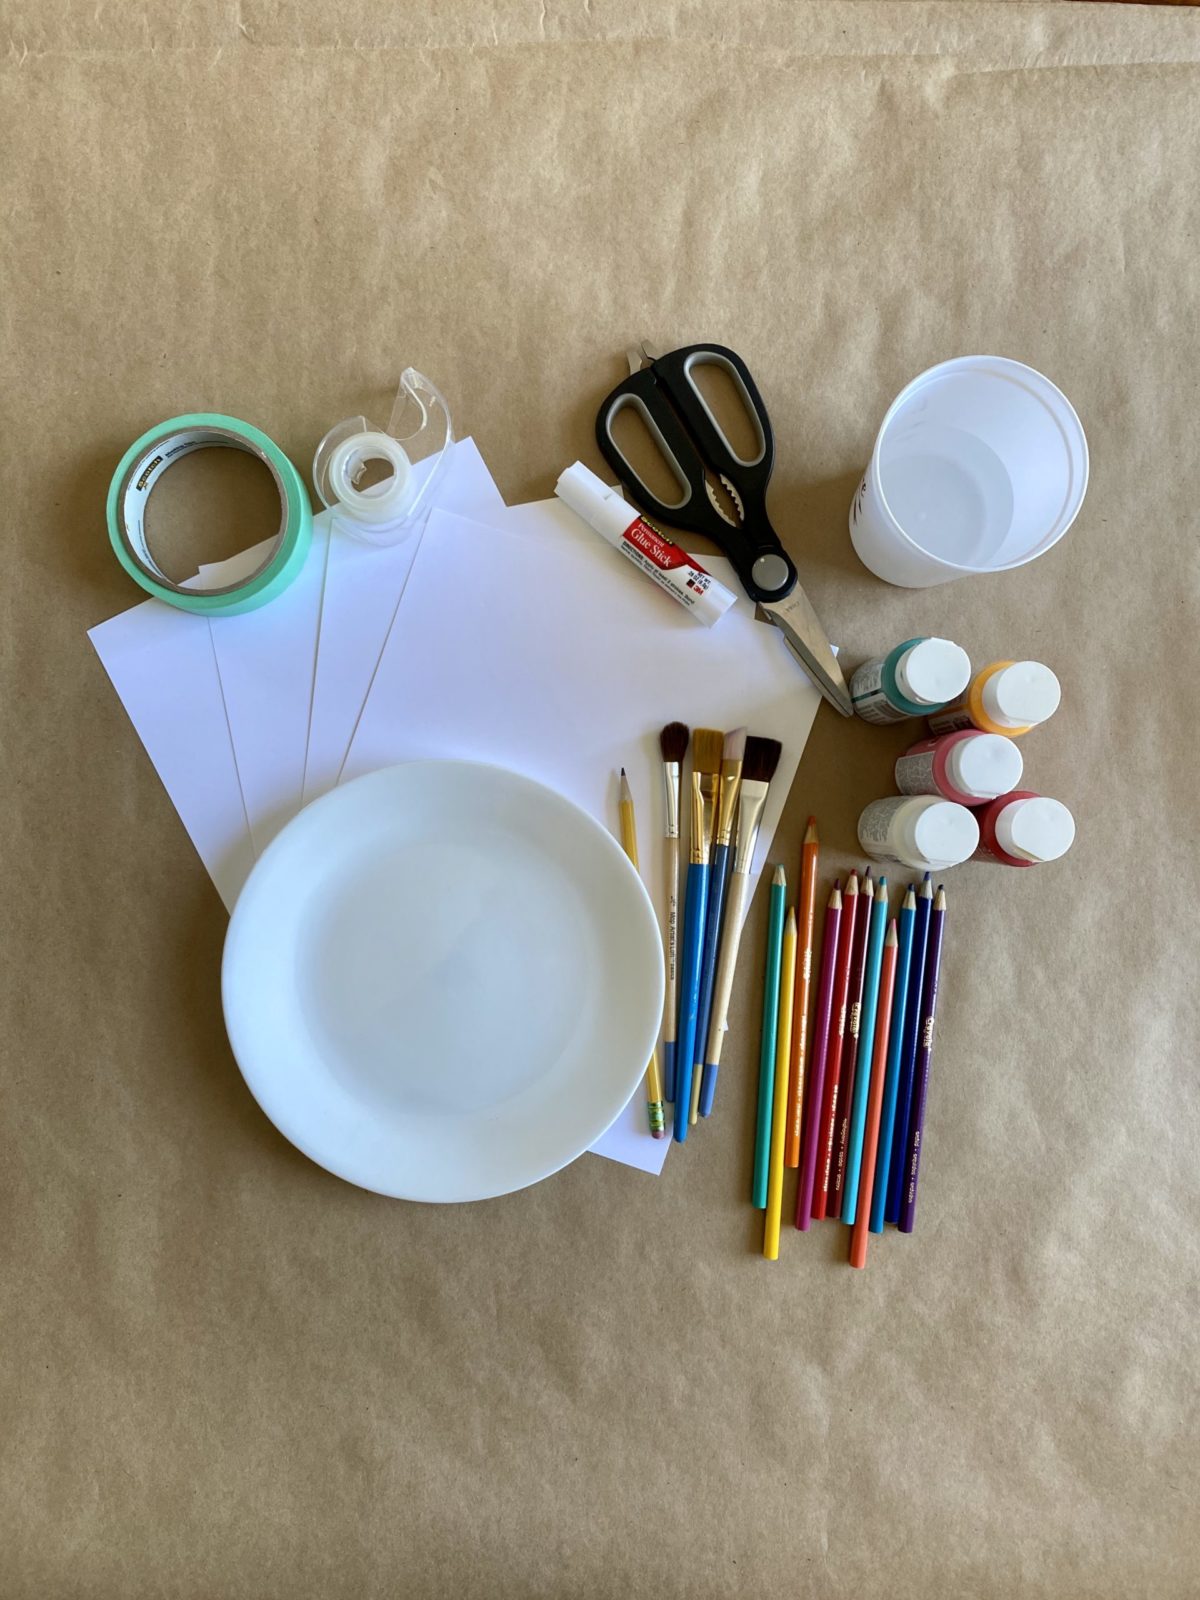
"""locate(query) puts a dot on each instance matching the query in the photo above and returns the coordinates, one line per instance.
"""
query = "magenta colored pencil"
(916, 1125)
(816, 1075)
(854, 998)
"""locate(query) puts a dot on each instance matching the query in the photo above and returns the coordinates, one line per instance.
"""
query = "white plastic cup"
(980, 465)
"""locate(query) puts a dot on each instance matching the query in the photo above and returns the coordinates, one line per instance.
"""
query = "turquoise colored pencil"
(770, 1031)
(887, 1120)
(866, 1049)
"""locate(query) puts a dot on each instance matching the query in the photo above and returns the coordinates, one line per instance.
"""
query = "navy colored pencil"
(929, 999)
(908, 1056)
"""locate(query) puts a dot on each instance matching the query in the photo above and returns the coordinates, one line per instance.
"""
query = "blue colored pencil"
(883, 1160)
(908, 1056)
(770, 1039)
(916, 1122)
(866, 1050)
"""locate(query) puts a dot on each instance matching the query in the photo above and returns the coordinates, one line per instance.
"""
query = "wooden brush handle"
(735, 910)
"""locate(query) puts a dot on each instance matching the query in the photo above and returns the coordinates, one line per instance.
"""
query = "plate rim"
(556, 797)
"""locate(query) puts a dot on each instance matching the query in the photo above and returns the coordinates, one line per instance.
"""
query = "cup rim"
(1068, 422)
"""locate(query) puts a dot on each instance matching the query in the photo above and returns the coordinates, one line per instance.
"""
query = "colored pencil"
(887, 1119)
(806, 913)
(929, 1000)
(779, 1101)
(810, 1142)
(866, 1047)
(673, 742)
(887, 985)
(769, 1041)
(833, 1056)
(706, 761)
(758, 768)
(729, 786)
(654, 1092)
(848, 1064)
(908, 1053)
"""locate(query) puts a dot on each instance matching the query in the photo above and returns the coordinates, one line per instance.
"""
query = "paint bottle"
(1023, 829)
(968, 767)
(920, 831)
(622, 526)
(1007, 697)
(915, 679)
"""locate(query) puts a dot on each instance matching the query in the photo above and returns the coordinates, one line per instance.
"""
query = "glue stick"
(969, 767)
(917, 677)
(920, 831)
(1022, 829)
(1007, 697)
(639, 541)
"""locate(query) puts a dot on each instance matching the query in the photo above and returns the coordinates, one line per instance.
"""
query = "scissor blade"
(805, 638)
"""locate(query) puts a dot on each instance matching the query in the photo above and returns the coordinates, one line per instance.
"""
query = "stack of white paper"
(511, 636)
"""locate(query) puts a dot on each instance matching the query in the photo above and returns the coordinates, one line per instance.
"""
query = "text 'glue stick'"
(639, 541)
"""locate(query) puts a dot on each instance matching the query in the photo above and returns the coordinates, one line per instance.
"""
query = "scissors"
(692, 442)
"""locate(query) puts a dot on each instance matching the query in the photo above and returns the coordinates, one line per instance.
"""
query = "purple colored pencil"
(929, 999)
(811, 1136)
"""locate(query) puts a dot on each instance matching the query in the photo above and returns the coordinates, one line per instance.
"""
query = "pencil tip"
(939, 903)
(810, 833)
(892, 936)
(780, 876)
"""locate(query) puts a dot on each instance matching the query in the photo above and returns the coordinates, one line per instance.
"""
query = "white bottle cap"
(1035, 830)
(945, 833)
(984, 766)
(933, 672)
(591, 498)
(1021, 695)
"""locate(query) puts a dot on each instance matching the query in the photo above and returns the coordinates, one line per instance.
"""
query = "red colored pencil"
(883, 1030)
(816, 1077)
(845, 1094)
(833, 1057)
(806, 907)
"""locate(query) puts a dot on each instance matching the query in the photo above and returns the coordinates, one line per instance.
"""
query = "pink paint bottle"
(1023, 829)
(968, 767)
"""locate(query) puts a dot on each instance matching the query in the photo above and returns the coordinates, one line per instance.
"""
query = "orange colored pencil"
(883, 1028)
(806, 913)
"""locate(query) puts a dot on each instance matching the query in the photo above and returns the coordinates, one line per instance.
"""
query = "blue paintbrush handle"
(690, 956)
(718, 877)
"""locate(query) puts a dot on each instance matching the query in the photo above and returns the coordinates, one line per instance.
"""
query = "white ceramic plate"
(443, 981)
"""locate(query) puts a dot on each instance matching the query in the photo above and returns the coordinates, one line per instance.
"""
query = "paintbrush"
(758, 768)
(707, 744)
(673, 741)
(729, 786)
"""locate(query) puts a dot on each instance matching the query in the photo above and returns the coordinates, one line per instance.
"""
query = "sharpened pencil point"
(910, 899)
(852, 884)
(810, 833)
(892, 936)
(926, 889)
(779, 875)
(939, 903)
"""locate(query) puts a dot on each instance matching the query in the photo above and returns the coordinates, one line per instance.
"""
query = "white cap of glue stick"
(639, 541)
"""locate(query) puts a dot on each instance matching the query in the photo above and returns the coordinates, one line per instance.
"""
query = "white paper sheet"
(363, 587)
(266, 659)
(536, 647)
(162, 666)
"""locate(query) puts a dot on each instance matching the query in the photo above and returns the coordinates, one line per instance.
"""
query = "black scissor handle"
(689, 436)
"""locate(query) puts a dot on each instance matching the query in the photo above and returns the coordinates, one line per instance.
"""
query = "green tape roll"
(140, 469)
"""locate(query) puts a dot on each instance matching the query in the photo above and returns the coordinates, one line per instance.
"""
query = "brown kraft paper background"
(224, 1373)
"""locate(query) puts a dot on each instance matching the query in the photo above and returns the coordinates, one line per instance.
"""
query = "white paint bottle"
(915, 679)
(920, 831)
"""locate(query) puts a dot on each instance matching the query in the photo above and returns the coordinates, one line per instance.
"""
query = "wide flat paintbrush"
(673, 742)
(707, 744)
(758, 768)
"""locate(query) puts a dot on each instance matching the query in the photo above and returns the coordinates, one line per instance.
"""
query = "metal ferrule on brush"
(727, 800)
(750, 810)
(704, 798)
(671, 798)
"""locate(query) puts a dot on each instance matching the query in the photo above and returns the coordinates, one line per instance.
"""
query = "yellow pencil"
(779, 1105)
(654, 1093)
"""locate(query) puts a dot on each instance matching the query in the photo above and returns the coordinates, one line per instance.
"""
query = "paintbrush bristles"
(735, 745)
(673, 741)
(761, 759)
(707, 744)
